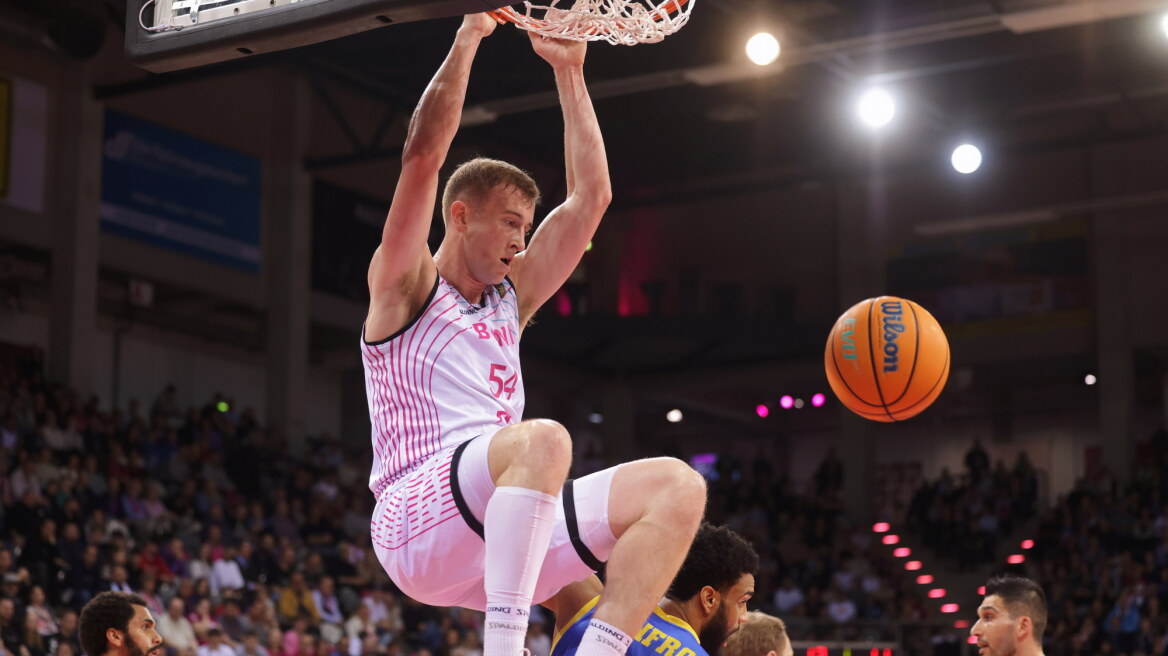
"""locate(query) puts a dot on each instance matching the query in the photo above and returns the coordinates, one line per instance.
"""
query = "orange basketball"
(887, 358)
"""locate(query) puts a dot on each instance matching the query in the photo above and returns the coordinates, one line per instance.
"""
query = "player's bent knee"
(683, 488)
(551, 439)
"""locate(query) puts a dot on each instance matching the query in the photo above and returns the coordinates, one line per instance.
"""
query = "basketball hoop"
(619, 22)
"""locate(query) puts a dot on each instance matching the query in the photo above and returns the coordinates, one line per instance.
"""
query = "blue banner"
(173, 190)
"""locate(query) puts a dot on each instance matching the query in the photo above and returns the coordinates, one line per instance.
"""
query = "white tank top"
(450, 375)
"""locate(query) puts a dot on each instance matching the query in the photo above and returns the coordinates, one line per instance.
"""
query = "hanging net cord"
(619, 22)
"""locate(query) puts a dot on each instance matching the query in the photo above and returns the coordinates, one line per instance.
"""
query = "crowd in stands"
(239, 548)
(964, 516)
(242, 549)
(1102, 555)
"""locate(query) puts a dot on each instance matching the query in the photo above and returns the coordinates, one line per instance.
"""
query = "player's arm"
(402, 271)
(571, 598)
(557, 246)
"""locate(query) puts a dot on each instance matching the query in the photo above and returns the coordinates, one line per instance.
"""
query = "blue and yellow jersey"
(662, 635)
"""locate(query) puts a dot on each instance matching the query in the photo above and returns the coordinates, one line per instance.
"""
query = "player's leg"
(654, 509)
(528, 463)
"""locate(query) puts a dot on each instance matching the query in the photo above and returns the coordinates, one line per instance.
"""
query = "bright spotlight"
(818, 400)
(673, 416)
(876, 108)
(787, 402)
(966, 158)
(763, 48)
(1090, 379)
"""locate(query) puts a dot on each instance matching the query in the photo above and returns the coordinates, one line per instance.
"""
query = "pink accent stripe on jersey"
(380, 401)
(423, 408)
(405, 415)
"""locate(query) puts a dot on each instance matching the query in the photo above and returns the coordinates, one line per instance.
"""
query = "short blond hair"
(474, 178)
(760, 634)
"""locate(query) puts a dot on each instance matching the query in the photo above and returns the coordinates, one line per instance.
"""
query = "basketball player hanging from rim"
(452, 457)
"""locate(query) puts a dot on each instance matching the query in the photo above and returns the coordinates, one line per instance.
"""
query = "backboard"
(170, 35)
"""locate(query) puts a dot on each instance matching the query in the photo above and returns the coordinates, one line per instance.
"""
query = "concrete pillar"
(287, 253)
(619, 430)
(861, 244)
(1116, 364)
(73, 211)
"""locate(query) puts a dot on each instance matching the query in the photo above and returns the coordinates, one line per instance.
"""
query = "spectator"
(296, 601)
(11, 629)
(44, 623)
(325, 599)
(250, 646)
(538, 642)
(176, 630)
(66, 633)
(202, 619)
(226, 575)
(215, 645)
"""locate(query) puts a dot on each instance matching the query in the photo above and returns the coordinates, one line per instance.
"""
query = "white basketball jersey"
(450, 375)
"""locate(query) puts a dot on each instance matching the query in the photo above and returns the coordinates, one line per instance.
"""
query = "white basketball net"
(620, 22)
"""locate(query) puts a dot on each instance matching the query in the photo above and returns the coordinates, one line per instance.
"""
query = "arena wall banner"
(172, 190)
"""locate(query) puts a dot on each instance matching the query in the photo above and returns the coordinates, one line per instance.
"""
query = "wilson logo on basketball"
(893, 327)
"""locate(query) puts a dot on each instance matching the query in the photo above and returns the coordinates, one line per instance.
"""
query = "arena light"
(1090, 379)
(596, 418)
(890, 539)
(818, 399)
(1028, 544)
(787, 402)
(1164, 24)
(936, 593)
(963, 624)
(762, 410)
(924, 579)
(950, 608)
(674, 416)
(912, 565)
(799, 404)
(1016, 559)
(876, 108)
(981, 590)
(881, 527)
(763, 48)
(222, 406)
(971, 639)
(902, 552)
(966, 158)
(588, 246)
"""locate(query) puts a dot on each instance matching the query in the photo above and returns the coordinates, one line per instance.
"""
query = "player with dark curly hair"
(118, 624)
(704, 605)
